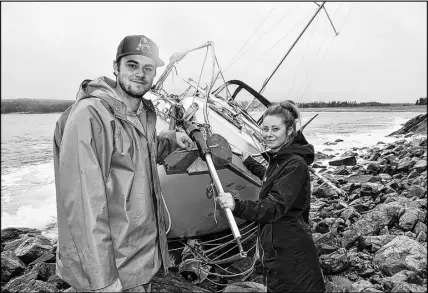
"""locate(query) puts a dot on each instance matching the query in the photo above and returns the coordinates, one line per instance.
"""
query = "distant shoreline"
(413, 108)
(42, 106)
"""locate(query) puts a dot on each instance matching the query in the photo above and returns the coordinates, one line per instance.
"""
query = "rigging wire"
(304, 54)
(327, 49)
(322, 59)
(262, 36)
(264, 53)
(233, 59)
(310, 69)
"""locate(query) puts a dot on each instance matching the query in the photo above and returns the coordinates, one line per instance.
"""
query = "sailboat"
(232, 111)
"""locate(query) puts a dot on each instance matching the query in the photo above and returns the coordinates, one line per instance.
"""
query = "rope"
(310, 69)
(169, 215)
(233, 59)
(304, 54)
(319, 64)
(264, 53)
(200, 75)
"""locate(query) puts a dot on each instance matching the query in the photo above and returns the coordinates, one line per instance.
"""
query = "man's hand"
(115, 287)
(226, 200)
(184, 141)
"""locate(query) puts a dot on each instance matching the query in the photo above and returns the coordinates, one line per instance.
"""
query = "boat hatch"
(239, 94)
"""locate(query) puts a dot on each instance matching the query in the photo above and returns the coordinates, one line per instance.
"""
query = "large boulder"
(375, 242)
(410, 217)
(11, 233)
(11, 266)
(362, 286)
(417, 124)
(32, 248)
(334, 262)
(372, 222)
(402, 253)
(418, 191)
(407, 287)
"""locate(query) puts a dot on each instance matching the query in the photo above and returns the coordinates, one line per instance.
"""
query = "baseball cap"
(139, 45)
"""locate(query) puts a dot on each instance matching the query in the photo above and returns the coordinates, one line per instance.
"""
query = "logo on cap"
(144, 45)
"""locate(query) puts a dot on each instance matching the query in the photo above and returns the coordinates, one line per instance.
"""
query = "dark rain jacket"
(111, 219)
(287, 251)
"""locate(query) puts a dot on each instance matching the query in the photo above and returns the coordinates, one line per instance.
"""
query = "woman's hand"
(183, 140)
(226, 200)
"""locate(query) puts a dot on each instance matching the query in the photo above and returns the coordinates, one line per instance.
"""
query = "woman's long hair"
(290, 115)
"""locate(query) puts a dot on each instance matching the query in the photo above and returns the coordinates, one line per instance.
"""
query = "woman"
(288, 252)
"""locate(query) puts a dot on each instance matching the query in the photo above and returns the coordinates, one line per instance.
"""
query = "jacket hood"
(104, 88)
(299, 146)
(100, 87)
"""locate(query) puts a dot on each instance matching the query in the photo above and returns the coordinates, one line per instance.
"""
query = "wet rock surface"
(370, 231)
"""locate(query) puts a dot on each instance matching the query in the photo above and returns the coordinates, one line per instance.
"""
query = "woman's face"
(274, 132)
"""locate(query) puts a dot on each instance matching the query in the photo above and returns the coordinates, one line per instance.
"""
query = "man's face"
(135, 74)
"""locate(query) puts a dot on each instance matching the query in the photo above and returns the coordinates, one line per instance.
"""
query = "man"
(111, 216)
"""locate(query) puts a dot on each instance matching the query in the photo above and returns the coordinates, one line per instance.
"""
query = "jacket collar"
(104, 88)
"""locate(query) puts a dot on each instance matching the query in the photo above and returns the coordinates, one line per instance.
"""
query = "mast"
(292, 46)
(288, 52)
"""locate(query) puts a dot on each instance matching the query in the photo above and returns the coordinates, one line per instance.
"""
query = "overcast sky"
(380, 54)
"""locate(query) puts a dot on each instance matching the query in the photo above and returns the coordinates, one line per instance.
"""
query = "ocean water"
(27, 181)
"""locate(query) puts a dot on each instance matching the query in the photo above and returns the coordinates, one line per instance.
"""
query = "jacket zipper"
(264, 180)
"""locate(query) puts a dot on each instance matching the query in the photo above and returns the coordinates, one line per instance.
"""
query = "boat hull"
(188, 194)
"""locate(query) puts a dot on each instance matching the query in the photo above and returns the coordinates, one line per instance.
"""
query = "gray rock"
(410, 217)
(11, 266)
(360, 178)
(372, 222)
(324, 192)
(406, 287)
(371, 189)
(40, 286)
(417, 191)
(335, 262)
(405, 165)
(420, 166)
(14, 244)
(245, 287)
(11, 233)
(332, 287)
(20, 283)
(33, 248)
(422, 237)
(413, 174)
(348, 161)
(49, 258)
(362, 286)
(341, 170)
(341, 282)
(402, 253)
(44, 270)
(385, 177)
(375, 242)
(419, 227)
(172, 282)
(373, 168)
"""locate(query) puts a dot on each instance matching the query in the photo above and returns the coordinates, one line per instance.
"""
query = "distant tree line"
(421, 101)
(34, 105)
(345, 104)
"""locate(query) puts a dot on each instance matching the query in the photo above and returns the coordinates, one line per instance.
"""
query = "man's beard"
(130, 92)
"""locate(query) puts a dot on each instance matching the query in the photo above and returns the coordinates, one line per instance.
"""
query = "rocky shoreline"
(369, 220)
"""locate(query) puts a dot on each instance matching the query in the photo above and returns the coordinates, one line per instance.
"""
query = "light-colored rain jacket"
(111, 217)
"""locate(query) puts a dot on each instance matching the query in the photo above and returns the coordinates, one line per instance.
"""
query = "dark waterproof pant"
(291, 262)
